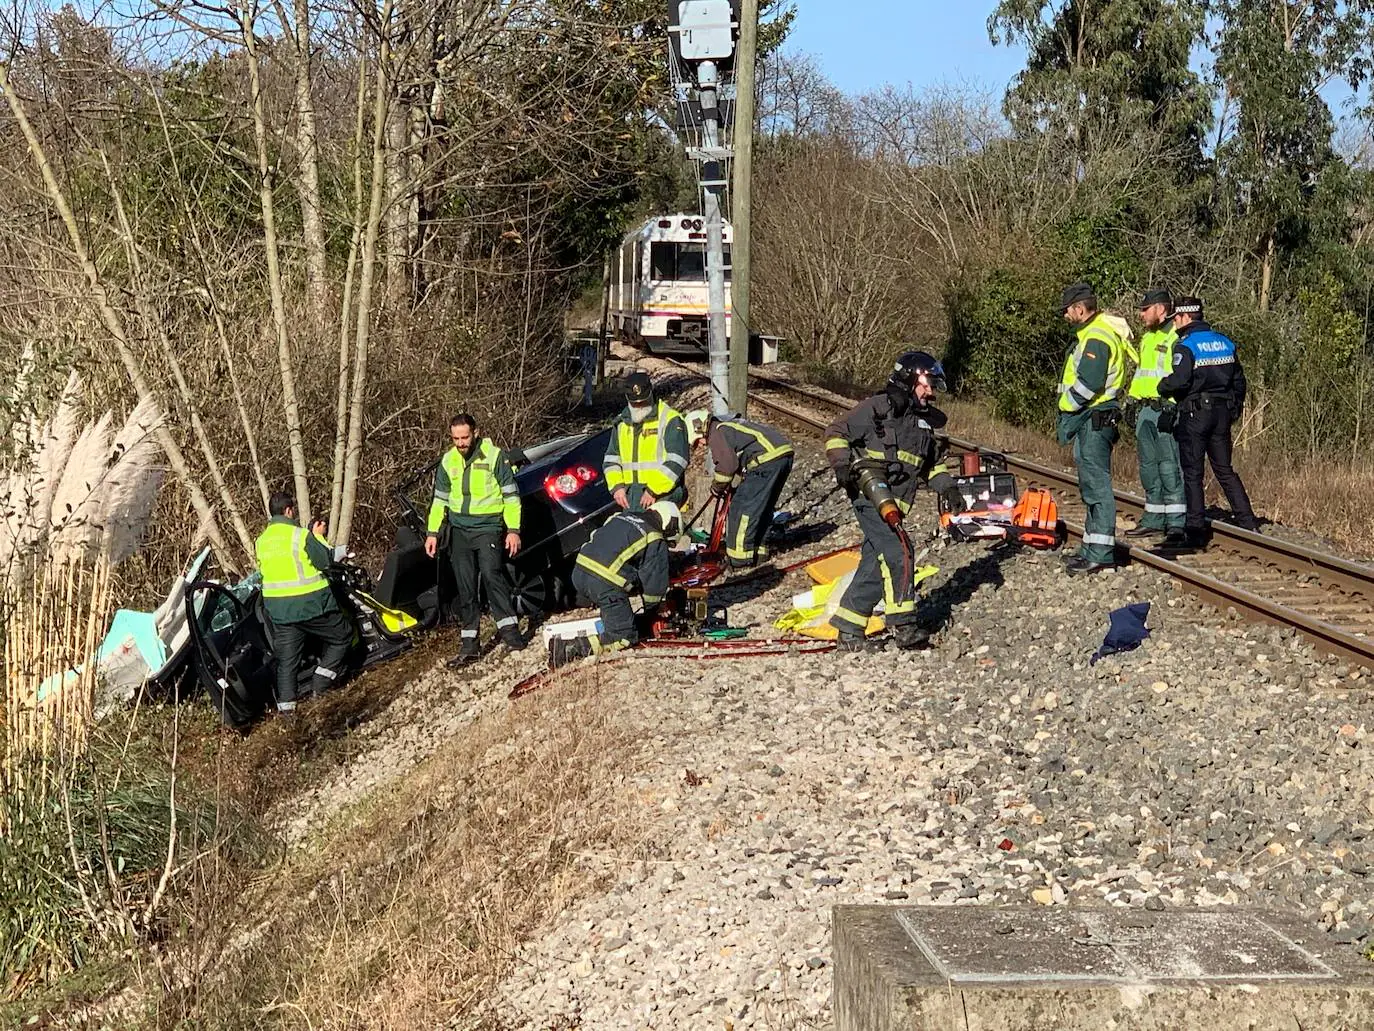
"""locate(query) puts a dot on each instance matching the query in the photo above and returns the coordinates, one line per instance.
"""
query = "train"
(658, 285)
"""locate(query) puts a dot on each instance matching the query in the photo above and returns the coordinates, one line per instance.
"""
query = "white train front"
(658, 284)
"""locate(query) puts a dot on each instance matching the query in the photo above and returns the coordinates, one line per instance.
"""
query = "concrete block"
(1012, 968)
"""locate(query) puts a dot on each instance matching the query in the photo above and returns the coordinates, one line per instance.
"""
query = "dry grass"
(410, 915)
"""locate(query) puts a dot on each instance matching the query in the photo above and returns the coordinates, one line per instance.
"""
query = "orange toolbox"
(996, 509)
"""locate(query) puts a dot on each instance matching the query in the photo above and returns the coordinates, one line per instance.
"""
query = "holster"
(1106, 418)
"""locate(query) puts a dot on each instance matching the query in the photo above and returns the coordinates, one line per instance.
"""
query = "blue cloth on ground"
(1127, 631)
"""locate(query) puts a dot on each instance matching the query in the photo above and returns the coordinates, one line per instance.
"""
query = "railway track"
(1327, 598)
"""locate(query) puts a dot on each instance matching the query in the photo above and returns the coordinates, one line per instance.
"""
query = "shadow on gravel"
(937, 607)
(751, 585)
(781, 544)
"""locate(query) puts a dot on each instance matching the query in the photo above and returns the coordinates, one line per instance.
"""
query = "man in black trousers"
(1208, 385)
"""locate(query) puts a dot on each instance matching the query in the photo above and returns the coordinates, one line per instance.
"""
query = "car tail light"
(567, 483)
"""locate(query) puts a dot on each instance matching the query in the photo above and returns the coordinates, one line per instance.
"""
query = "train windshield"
(683, 262)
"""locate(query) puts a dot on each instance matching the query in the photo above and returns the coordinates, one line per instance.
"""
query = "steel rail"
(1350, 577)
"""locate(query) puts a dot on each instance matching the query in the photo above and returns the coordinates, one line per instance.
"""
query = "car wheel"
(531, 591)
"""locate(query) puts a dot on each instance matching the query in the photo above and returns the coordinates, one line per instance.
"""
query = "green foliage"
(83, 850)
(1007, 341)
(1097, 68)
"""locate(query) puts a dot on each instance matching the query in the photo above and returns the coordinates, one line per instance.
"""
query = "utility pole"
(740, 259)
(701, 37)
(712, 183)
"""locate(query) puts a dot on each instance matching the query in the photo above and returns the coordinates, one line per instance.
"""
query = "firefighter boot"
(467, 652)
(910, 637)
(510, 637)
(851, 642)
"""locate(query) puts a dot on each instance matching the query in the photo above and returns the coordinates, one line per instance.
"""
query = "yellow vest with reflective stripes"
(474, 489)
(287, 571)
(643, 451)
(1097, 329)
(1156, 361)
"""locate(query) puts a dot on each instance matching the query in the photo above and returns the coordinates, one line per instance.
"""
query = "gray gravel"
(1221, 763)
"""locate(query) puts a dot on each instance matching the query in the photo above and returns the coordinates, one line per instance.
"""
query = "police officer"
(1208, 384)
(1094, 376)
(475, 487)
(762, 459)
(647, 456)
(300, 603)
(628, 551)
(1157, 450)
(897, 428)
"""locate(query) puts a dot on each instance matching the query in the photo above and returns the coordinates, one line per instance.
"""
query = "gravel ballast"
(1221, 763)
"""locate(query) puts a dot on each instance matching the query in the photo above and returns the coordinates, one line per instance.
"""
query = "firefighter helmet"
(918, 367)
(669, 518)
(698, 424)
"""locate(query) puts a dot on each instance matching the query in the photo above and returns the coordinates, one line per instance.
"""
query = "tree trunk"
(397, 237)
(290, 405)
(114, 325)
(367, 275)
(341, 408)
(308, 180)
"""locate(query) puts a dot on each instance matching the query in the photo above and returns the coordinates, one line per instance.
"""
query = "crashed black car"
(563, 499)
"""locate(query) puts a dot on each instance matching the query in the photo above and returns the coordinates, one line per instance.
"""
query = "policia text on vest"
(299, 602)
(475, 488)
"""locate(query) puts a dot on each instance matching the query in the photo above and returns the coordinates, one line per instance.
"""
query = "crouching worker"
(762, 459)
(630, 550)
(299, 601)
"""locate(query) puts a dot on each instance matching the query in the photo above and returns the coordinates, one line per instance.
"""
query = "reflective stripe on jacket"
(483, 486)
(627, 550)
(738, 445)
(905, 442)
(1156, 361)
(287, 571)
(1092, 378)
(651, 454)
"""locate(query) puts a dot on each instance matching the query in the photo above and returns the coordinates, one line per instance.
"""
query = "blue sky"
(863, 44)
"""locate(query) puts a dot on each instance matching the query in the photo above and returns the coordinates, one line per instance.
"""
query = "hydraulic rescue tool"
(870, 478)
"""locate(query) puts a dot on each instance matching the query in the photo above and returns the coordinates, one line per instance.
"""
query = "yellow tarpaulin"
(812, 611)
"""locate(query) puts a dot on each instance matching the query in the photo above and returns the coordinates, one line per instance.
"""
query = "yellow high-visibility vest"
(643, 454)
(287, 571)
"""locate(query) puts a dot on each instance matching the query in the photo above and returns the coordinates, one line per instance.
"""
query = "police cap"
(1153, 297)
(1189, 306)
(639, 388)
(1075, 293)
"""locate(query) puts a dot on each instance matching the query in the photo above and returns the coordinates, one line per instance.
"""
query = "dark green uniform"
(300, 605)
(650, 455)
(482, 501)
(1094, 375)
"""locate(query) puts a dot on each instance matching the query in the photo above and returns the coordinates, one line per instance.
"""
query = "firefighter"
(628, 551)
(762, 459)
(475, 487)
(647, 456)
(1156, 449)
(895, 427)
(1094, 376)
(1208, 384)
(300, 603)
